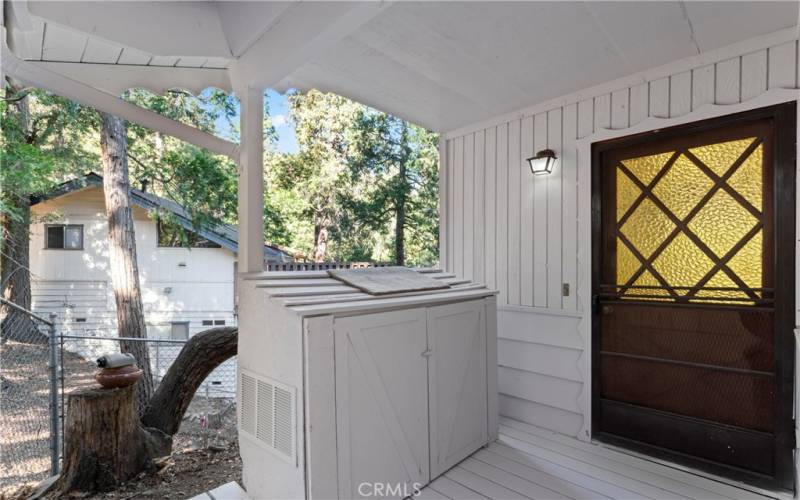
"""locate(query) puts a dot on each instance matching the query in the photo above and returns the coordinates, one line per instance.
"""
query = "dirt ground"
(205, 451)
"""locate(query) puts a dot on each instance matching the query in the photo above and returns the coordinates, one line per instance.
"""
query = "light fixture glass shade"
(543, 162)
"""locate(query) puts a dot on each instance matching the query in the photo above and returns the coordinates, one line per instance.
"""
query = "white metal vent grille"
(247, 417)
(283, 421)
(268, 414)
(264, 426)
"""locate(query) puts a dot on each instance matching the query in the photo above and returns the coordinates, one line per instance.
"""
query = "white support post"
(251, 182)
(444, 256)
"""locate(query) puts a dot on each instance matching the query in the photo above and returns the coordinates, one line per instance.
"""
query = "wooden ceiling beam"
(34, 74)
(117, 78)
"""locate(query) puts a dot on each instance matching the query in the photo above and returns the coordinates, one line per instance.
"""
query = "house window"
(173, 235)
(214, 322)
(176, 330)
(179, 330)
(64, 236)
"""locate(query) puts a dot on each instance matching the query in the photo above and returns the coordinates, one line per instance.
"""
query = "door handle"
(426, 353)
(607, 310)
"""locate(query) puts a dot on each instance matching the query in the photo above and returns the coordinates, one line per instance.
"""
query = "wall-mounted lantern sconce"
(543, 162)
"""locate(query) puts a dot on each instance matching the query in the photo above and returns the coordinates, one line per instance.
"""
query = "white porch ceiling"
(440, 64)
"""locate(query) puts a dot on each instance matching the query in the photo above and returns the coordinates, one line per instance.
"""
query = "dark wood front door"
(693, 276)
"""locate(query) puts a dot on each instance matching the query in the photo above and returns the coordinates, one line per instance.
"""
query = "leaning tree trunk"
(122, 246)
(15, 275)
(199, 357)
(105, 444)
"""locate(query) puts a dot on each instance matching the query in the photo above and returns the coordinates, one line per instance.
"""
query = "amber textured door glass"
(689, 224)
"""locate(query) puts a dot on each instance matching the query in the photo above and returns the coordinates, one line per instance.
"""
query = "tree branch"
(199, 357)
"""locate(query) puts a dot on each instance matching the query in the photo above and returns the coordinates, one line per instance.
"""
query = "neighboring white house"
(184, 290)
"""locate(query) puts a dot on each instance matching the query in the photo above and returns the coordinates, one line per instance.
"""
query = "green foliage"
(202, 183)
(354, 168)
(45, 140)
(397, 163)
(336, 198)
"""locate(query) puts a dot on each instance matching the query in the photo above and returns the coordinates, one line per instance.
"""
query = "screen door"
(693, 281)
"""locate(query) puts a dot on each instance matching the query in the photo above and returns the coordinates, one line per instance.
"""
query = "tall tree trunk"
(400, 202)
(15, 276)
(105, 444)
(400, 226)
(320, 238)
(122, 247)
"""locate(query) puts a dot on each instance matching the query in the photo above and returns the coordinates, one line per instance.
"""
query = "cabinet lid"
(387, 280)
(318, 292)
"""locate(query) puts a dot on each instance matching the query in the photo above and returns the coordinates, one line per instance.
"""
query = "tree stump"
(105, 443)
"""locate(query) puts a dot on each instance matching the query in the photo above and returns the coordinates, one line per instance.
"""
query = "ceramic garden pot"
(112, 378)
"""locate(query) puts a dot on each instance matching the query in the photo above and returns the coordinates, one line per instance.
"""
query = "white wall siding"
(525, 239)
(178, 285)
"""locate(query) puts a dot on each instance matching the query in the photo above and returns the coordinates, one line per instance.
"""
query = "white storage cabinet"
(346, 395)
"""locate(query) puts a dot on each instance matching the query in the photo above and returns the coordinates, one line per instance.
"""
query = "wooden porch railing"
(321, 266)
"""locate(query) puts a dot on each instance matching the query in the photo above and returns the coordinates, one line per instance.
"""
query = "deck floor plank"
(544, 479)
(639, 488)
(531, 463)
(603, 487)
(637, 480)
(482, 485)
(430, 494)
(454, 490)
(513, 482)
(659, 480)
(717, 488)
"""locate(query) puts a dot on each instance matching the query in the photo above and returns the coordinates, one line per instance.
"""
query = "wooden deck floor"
(530, 462)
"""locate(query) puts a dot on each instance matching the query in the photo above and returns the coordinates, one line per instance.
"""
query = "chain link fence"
(40, 365)
(28, 396)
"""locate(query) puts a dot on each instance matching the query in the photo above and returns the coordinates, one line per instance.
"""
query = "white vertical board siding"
(728, 81)
(501, 213)
(527, 224)
(539, 215)
(680, 94)
(469, 206)
(569, 205)
(490, 206)
(702, 86)
(780, 74)
(528, 243)
(529, 215)
(514, 211)
(553, 258)
(479, 189)
(458, 207)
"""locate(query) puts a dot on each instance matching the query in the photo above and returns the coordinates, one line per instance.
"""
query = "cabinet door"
(457, 390)
(381, 404)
